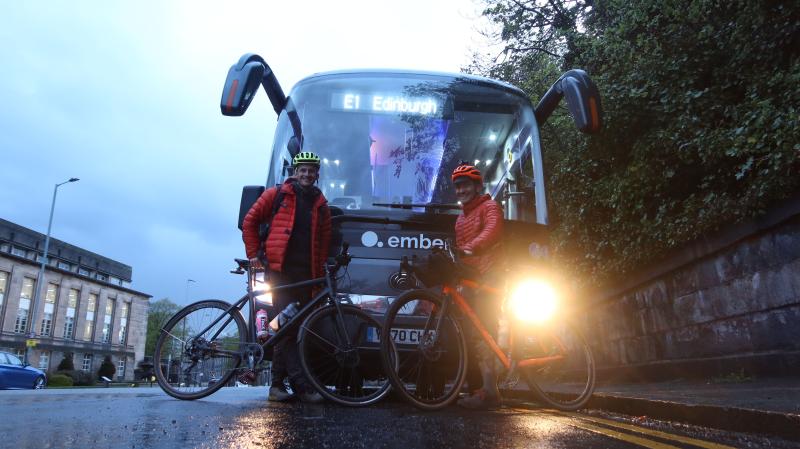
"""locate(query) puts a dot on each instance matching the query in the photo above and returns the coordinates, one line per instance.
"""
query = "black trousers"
(286, 356)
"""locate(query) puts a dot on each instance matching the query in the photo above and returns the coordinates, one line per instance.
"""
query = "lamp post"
(40, 280)
(186, 295)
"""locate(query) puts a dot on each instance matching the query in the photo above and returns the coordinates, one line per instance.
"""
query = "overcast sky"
(125, 96)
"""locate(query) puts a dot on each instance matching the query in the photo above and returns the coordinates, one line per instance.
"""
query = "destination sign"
(384, 103)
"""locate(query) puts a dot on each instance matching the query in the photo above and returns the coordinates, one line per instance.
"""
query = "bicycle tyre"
(427, 375)
(566, 384)
(198, 315)
(342, 376)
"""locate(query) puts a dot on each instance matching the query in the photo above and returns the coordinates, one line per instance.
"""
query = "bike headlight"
(262, 288)
(533, 300)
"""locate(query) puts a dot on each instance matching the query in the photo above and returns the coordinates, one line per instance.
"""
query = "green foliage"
(79, 378)
(66, 363)
(160, 311)
(59, 380)
(107, 368)
(701, 122)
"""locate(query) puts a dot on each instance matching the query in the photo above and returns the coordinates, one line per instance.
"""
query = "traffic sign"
(31, 343)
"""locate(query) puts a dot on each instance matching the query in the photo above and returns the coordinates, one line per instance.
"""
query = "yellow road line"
(643, 430)
(644, 442)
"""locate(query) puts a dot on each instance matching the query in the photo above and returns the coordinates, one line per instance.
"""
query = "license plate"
(401, 336)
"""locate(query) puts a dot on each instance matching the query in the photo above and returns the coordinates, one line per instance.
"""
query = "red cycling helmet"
(467, 171)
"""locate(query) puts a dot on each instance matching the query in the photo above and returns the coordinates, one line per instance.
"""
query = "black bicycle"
(204, 345)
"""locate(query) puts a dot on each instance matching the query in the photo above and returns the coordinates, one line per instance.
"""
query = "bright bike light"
(533, 300)
(260, 285)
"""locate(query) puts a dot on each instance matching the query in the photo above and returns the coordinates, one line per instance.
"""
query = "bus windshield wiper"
(412, 205)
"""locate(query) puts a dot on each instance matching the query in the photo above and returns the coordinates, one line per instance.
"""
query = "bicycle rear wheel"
(562, 372)
(190, 364)
(427, 368)
(351, 375)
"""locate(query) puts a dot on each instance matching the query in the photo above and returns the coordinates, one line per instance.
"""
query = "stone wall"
(729, 304)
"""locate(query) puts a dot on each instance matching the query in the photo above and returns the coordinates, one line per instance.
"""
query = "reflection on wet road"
(241, 418)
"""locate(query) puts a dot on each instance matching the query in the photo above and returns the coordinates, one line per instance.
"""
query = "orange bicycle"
(543, 348)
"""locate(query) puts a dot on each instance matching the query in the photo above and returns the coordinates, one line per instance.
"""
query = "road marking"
(649, 432)
(644, 442)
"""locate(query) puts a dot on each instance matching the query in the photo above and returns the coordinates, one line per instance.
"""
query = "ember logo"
(370, 239)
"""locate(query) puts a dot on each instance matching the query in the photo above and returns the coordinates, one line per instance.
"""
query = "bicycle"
(554, 359)
(206, 343)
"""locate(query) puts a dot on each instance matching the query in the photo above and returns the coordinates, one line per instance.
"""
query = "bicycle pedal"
(248, 377)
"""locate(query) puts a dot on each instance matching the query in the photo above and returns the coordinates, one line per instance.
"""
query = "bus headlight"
(262, 288)
(533, 300)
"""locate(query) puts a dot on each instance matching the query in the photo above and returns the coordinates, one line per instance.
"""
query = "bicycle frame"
(249, 298)
(451, 292)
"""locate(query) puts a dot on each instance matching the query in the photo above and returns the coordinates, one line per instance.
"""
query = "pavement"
(769, 406)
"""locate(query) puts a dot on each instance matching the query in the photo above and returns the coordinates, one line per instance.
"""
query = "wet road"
(241, 418)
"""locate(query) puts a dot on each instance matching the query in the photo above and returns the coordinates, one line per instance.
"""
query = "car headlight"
(533, 300)
(261, 286)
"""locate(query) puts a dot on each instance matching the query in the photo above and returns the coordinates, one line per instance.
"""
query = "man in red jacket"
(478, 233)
(295, 250)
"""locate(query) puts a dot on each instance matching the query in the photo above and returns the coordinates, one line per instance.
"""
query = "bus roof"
(467, 77)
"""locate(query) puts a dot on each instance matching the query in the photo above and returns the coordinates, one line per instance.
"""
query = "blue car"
(15, 374)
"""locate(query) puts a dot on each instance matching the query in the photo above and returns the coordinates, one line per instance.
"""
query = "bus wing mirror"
(583, 101)
(240, 88)
(242, 83)
(249, 196)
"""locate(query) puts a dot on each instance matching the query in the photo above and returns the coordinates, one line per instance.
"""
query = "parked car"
(14, 374)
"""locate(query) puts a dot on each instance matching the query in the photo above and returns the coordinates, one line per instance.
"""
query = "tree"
(701, 113)
(107, 368)
(66, 363)
(160, 311)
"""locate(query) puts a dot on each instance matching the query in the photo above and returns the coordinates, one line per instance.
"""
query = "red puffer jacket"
(281, 228)
(479, 229)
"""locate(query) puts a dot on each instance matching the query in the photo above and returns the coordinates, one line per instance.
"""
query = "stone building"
(87, 307)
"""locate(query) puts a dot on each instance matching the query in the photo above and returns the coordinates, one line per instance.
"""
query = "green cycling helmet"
(305, 157)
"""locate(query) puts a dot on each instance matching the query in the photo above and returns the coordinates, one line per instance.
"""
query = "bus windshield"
(389, 138)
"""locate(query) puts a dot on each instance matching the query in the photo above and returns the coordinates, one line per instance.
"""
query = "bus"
(389, 140)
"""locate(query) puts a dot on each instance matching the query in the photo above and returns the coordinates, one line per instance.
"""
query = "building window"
(21, 325)
(64, 265)
(101, 277)
(4, 247)
(91, 306)
(49, 308)
(83, 271)
(20, 352)
(3, 283)
(114, 280)
(123, 322)
(18, 251)
(44, 360)
(87, 363)
(121, 368)
(107, 320)
(69, 320)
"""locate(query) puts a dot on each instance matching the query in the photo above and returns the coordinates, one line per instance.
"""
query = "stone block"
(681, 342)
(693, 309)
(725, 337)
(779, 286)
(638, 350)
(776, 330)
(684, 281)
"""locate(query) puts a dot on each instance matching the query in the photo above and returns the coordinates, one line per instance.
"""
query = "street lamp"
(186, 296)
(40, 279)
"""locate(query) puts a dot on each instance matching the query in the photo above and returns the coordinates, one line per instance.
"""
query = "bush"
(107, 368)
(66, 363)
(79, 378)
(59, 380)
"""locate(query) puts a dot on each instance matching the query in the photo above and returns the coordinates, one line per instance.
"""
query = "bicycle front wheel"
(423, 349)
(199, 349)
(558, 365)
(346, 374)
